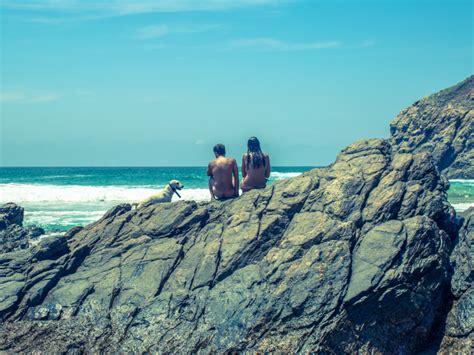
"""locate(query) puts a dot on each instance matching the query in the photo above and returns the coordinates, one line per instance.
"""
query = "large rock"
(13, 235)
(11, 213)
(442, 124)
(353, 257)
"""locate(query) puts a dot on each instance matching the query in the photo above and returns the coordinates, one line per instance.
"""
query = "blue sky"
(158, 83)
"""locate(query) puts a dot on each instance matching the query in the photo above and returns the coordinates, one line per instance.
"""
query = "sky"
(158, 83)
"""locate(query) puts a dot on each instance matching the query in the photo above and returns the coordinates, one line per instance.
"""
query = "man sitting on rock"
(224, 175)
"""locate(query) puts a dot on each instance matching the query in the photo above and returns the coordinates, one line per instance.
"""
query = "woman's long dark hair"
(255, 157)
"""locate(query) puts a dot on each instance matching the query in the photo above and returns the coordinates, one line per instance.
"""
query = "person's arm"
(211, 180)
(267, 166)
(236, 178)
(244, 166)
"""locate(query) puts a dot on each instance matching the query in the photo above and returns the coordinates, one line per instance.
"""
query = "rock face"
(355, 256)
(442, 124)
(13, 235)
(458, 333)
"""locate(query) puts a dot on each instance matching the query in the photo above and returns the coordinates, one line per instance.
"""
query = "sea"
(57, 199)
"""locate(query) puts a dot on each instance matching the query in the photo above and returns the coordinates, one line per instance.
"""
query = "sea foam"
(31, 193)
(461, 207)
(463, 181)
(279, 176)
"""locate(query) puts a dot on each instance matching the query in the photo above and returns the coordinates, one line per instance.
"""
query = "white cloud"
(129, 7)
(9, 96)
(158, 31)
(48, 97)
(50, 20)
(24, 98)
(277, 45)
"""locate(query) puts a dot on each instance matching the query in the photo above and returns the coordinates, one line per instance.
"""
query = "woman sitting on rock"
(255, 166)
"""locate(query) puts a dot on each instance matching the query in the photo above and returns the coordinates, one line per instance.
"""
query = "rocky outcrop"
(353, 257)
(11, 213)
(442, 124)
(13, 235)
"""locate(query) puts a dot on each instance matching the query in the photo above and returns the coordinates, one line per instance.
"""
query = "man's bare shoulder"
(227, 161)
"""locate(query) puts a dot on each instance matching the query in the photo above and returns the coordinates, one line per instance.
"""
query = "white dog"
(164, 195)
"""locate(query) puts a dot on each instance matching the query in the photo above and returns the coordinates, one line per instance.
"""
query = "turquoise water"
(194, 177)
(60, 198)
(461, 194)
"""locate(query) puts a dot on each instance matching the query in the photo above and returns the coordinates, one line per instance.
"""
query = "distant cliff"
(442, 124)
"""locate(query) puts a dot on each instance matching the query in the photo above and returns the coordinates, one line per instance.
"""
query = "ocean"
(60, 198)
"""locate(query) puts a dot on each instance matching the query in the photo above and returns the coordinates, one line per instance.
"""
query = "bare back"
(224, 174)
(255, 177)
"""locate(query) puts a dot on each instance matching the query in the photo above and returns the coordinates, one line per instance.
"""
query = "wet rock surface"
(356, 256)
(442, 124)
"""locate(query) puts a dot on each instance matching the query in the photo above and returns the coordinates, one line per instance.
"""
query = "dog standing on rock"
(164, 195)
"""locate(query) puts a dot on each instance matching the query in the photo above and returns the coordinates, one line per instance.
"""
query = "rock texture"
(353, 257)
(13, 235)
(458, 333)
(442, 124)
(11, 213)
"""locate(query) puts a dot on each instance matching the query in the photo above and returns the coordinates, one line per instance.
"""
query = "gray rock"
(458, 332)
(13, 235)
(353, 257)
(443, 125)
(11, 213)
(50, 248)
(34, 231)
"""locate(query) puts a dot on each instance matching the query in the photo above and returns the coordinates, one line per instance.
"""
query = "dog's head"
(175, 184)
